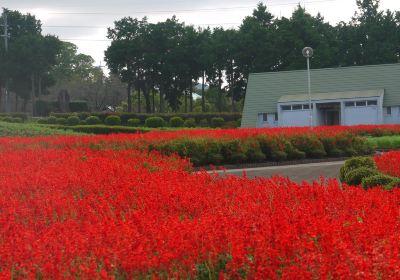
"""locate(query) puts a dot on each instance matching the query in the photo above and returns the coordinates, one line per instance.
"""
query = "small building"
(340, 96)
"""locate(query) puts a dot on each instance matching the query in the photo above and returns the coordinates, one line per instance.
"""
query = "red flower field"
(70, 209)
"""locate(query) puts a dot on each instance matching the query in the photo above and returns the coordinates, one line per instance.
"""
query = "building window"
(361, 103)
(349, 104)
(372, 103)
(276, 117)
(388, 111)
(286, 108)
(297, 107)
(265, 117)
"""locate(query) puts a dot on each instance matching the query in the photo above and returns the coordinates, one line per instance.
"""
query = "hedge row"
(198, 117)
(15, 115)
(363, 171)
(102, 129)
(261, 148)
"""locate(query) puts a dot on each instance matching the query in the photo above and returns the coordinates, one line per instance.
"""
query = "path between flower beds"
(297, 173)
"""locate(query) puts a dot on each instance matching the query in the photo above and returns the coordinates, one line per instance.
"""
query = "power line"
(222, 9)
(104, 26)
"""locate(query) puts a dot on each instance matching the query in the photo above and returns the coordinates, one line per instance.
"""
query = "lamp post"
(308, 52)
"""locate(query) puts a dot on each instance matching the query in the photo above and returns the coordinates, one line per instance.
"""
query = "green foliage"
(112, 120)
(355, 163)
(73, 120)
(93, 120)
(191, 122)
(379, 180)
(134, 122)
(204, 123)
(78, 106)
(176, 122)
(104, 129)
(310, 145)
(155, 122)
(52, 120)
(217, 122)
(355, 176)
(61, 121)
(30, 129)
(82, 122)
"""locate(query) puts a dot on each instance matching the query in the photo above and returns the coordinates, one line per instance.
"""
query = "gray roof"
(264, 90)
(332, 95)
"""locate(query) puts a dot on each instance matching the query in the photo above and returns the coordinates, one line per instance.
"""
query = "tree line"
(168, 58)
(162, 64)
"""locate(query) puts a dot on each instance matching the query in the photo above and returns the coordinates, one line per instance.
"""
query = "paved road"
(297, 173)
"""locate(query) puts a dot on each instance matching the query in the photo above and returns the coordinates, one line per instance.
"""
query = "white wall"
(361, 115)
(269, 123)
(295, 118)
(394, 118)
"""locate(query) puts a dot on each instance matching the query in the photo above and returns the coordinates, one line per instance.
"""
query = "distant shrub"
(92, 120)
(82, 122)
(190, 123)
(42, 121)
(61, 121)
(112, 120)
(134, 122)
(51, 120)
(176, 122)
(204, 123)
(155, 122)
(73, 120)
(78, 106)
(217, 122)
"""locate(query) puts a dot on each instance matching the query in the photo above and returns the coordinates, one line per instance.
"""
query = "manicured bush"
(61, 121)
(204, 123)
(190, 123)
(217, 122)
(134, 122)
(377, 180)
(309, 144)
(52, 120)
(176, 122)
(83, 115)
(355, 176)
(42, 121)
(93, 120)
(82, 122)
(155, 122)
(112, 120)
(73, 120)
(104, 129)
(355, 163)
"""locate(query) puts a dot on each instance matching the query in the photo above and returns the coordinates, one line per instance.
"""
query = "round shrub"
(355, 163)
(239, 122)
(155, 122)
(203, 123)
(217, 122)
(82, 122)
(61, 121)
(112, 120)
(93, 120)
(42, 121)
(278, 155)
(176, 122)
(52, 120)
(73, 120)
(355, 176)
(190, 123)
(134, 122)
(377, 180)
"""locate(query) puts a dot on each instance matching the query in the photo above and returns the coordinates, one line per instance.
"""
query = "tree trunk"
(129, 97)
(191, 96)
(154, 100)
(219, 101)
(16, 102)
(146, 95)
(139, 109)
(232, 91)
(161, 99)
(33, 93)
(203, 98)
(185, 96)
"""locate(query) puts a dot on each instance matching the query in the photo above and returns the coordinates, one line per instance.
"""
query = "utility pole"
(6, 36)
(308, 52)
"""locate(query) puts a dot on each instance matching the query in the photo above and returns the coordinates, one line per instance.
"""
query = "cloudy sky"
(85, 22)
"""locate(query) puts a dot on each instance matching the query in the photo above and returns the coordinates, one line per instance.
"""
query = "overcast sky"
(85, 22)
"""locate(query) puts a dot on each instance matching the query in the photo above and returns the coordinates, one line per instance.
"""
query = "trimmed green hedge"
(103, 129)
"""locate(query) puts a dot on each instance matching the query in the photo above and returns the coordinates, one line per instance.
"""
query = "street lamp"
(308, 52)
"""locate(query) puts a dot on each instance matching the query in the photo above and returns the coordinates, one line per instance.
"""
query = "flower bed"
(79, 207)
(389, 163)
